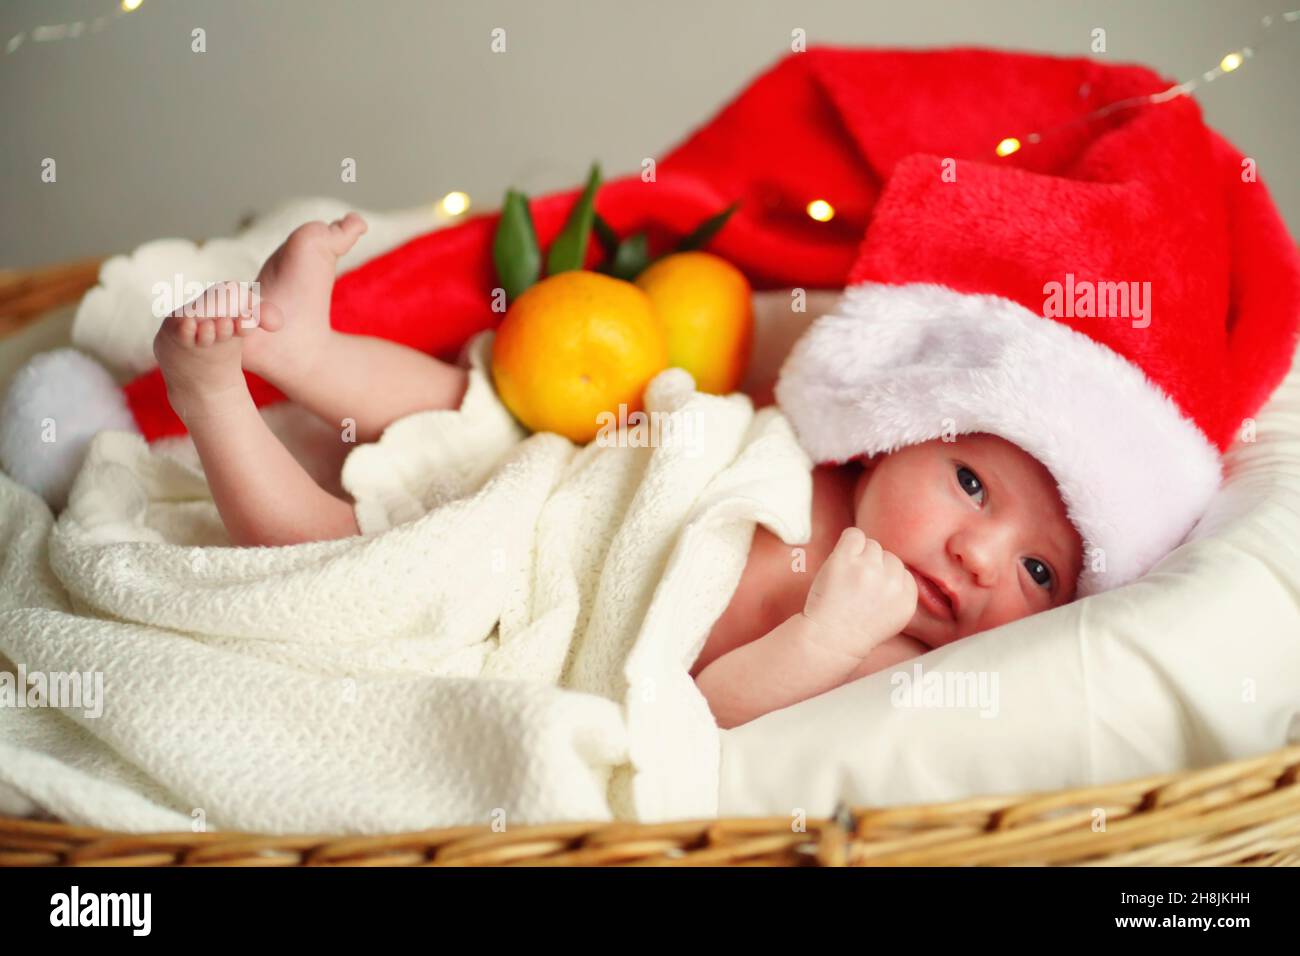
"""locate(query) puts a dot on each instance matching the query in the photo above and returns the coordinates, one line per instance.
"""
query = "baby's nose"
(983, 554)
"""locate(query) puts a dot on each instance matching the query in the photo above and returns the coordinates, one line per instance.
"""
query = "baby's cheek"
(900, 526)
(907, 515)
(1005, 610)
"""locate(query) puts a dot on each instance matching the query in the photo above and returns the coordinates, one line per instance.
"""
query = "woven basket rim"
(1243, 811)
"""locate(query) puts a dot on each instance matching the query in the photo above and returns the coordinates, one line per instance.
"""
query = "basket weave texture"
(1244, 812)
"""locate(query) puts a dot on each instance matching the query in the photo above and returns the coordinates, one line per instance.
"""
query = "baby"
(909, 551)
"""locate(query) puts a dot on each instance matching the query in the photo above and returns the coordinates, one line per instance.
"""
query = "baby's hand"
(862, 595)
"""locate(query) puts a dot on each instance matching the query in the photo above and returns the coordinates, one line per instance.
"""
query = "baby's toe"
(244, 315)
(206, 334)
(267, 316)
(345, 232)
(225, 328)
(351, 223)
(184, 328)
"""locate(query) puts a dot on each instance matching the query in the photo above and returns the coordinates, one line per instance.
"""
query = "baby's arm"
(784, 666)
(862, 596)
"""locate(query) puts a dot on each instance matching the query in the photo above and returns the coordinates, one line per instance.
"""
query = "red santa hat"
(1117, 302)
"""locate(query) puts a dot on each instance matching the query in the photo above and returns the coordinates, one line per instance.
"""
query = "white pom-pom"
(55, 405)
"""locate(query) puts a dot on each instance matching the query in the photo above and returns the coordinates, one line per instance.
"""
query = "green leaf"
(633, 255)
(515, 251)
(569, 250)
(606, 234)
(706, 230)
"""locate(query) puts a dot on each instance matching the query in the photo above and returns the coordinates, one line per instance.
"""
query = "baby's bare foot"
(294, 287)
(198, 349)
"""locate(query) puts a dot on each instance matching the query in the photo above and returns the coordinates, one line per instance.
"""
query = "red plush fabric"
(866, 131)
(1152, 195)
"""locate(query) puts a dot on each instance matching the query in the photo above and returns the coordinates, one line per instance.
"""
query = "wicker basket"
(1243, 812)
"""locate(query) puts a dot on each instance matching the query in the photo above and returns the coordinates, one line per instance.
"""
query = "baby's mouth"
(930, 597)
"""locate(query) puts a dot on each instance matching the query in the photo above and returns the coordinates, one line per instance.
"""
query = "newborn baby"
(909, 550)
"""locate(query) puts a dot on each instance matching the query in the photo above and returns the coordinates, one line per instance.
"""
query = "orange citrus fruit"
(572, 346)
(705, 305)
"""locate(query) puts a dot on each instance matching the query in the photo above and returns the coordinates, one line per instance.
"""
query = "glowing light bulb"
(1008, 146)
(821, 210)
(129, 5)
(1230, 62)
(454, 203)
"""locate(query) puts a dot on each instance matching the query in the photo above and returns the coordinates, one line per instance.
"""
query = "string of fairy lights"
(456, 203)
(48, 33)
(1230, 62)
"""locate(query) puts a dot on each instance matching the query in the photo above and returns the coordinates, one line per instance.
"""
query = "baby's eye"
(965, 477)
(1037, 568)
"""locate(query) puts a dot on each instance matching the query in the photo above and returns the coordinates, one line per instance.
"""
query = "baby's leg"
(371, 381)
(263, 495)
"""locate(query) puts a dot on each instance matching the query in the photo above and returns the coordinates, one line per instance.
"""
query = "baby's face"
(982, 517)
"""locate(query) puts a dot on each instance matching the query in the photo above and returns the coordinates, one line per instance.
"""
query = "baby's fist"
(862, 595)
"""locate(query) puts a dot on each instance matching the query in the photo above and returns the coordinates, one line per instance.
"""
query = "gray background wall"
(152, 139)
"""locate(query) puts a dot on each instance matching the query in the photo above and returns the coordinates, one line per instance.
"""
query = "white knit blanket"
(507, 642)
